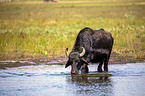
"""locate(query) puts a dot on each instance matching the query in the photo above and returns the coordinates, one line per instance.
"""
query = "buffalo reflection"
(91, 84)
(89, 78)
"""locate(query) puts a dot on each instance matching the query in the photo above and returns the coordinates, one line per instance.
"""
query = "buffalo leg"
(100, 66)
(106, 66)
(85, 69)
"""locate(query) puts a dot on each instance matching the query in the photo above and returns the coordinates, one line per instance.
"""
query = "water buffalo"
(90, 46)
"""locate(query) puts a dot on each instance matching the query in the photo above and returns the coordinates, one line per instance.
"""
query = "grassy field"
(44, 30)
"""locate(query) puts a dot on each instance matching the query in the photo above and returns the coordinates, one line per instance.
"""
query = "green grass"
(47, 29)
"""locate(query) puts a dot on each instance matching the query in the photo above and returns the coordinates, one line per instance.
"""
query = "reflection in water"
(89, 78)
(91, 85)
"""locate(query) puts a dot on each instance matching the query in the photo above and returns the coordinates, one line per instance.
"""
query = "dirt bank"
(114, 59)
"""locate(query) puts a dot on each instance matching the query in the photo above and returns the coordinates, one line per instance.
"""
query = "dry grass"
(47, 29)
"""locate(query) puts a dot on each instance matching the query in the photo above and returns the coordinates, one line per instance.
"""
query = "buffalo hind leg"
(100, 66)
(85, 69)
(106, 65)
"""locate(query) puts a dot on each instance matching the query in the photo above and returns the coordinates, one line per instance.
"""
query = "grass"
(45, 30)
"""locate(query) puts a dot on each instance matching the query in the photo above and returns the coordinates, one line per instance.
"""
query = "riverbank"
(9, 63)
(34, 33)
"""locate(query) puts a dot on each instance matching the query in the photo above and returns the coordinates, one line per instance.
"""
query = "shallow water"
(55, 80)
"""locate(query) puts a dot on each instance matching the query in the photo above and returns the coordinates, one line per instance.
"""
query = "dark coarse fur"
(97, 44)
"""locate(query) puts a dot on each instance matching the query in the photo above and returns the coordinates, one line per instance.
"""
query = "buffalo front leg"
(100, 66)
(84, 69)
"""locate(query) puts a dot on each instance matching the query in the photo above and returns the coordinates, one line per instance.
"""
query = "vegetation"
(46, 29)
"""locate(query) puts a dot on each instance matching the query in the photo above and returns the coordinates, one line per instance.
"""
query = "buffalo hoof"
(100, 70)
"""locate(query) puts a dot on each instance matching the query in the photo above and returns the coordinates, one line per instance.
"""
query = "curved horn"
(66, 52)
(83, 52)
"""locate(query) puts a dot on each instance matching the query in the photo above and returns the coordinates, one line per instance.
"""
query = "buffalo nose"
(74, 72)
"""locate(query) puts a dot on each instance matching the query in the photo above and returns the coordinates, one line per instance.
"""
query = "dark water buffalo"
(90, 46)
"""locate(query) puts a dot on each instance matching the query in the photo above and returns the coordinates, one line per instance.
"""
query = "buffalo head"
(75, 60)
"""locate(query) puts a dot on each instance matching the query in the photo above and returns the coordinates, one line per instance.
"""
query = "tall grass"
(47, 29)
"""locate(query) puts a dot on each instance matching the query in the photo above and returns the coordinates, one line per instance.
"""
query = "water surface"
(55, 80)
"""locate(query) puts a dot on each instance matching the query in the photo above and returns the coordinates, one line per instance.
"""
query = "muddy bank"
(120, 59)
(114, 59)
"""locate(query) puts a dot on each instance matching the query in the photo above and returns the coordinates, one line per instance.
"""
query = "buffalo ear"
(67, 64)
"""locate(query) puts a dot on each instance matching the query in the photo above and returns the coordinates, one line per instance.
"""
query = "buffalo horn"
(66, 52)
(83, 52)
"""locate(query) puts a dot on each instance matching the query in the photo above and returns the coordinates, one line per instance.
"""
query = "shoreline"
(114, 59)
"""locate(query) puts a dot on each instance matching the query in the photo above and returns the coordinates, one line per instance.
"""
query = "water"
(55, 80)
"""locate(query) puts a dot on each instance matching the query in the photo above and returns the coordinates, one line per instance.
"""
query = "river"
(55, 80)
